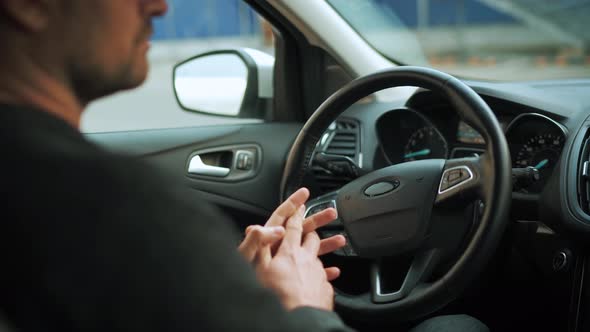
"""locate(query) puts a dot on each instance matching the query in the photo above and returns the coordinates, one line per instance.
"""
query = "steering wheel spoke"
(420, 270)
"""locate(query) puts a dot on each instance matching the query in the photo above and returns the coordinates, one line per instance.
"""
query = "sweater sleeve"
(128, 256)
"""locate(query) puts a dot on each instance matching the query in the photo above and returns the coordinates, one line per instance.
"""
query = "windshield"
(508, 40)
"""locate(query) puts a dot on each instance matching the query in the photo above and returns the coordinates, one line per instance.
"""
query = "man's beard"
(91, 82)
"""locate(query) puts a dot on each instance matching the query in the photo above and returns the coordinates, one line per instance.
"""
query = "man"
(92, 240)
(95, 241)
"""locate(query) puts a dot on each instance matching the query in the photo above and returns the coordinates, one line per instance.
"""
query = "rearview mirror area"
(225, 83)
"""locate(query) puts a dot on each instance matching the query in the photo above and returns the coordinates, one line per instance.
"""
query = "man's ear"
(31, 15)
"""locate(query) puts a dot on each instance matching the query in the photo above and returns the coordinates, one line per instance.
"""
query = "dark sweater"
(95, 241)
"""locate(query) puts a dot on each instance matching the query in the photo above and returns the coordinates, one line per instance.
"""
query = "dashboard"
(536, 121)
(408, 134)
(546, 124)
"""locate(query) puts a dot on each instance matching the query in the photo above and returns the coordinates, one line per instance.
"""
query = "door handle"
(197, 166)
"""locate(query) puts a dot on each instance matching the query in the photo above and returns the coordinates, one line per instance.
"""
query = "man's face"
(106, 43)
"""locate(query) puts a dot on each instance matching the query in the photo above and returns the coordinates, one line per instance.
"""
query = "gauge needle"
(542, 164)
(420, 153)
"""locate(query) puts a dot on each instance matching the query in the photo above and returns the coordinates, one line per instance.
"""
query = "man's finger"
(293, 231)
(319, 219)
(249, 228)
(288, 208)
(331, 244)
(258, 237)
(263, 257)
(311, 242)
(332, 273)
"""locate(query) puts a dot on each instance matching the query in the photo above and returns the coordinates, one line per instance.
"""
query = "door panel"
(171, 150)
(154, 141)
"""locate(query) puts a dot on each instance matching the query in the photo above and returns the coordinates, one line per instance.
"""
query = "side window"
(190, 28)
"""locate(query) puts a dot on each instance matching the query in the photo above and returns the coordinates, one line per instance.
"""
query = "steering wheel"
(397, 210)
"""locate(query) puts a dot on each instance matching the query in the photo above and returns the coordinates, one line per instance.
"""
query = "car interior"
(457, 193)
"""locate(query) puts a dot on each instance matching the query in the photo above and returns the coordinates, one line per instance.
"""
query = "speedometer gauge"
(425, 143)
(535, 141)
(541, 152)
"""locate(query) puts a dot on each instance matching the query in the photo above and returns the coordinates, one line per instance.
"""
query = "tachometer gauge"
(425, 143)
(541, 152)
(535, 140)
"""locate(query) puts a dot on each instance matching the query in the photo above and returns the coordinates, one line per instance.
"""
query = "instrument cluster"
(535, 140)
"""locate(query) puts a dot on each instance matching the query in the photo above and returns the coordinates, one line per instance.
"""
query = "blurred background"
(503, 40)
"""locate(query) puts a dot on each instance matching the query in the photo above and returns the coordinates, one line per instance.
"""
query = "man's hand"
(295, 272)
(260, 240)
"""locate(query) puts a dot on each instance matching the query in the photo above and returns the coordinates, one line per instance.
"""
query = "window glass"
(508, 40)
(189, 28)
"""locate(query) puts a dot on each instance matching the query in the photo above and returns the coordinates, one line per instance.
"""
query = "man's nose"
(155, 7)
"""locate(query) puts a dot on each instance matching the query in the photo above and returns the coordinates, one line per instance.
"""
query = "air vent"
(584, 176)
(343, 143)
(342, 139)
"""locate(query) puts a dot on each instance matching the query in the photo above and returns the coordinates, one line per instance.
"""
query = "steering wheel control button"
(454, 177)
(344, 251)
(313, 209)
(348, 249)
(381, 188)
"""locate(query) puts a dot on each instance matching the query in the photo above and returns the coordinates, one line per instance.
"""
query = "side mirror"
(233, 83)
